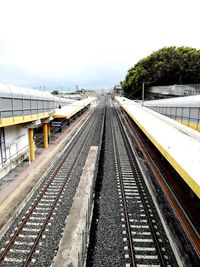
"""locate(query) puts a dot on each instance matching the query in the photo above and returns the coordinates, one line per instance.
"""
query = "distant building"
(157, 92)
(117, 89)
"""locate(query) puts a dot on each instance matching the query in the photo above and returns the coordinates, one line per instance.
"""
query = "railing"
(18, 107)
(189, 116)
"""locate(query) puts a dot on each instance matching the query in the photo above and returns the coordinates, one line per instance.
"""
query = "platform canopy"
(68, 111)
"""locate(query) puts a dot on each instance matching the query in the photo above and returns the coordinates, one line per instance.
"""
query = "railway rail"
(21, 248)
(144, 237)
(184, 209)
(181, 203)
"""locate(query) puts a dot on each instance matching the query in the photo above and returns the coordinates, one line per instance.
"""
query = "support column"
(49, 129)
(31, 144)
(45, 135)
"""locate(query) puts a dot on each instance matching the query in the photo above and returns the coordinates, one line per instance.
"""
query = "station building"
(21, 110)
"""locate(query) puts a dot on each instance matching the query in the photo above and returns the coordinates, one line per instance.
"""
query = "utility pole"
(142, 94)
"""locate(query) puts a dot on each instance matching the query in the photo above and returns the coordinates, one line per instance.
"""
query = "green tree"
(167, 66)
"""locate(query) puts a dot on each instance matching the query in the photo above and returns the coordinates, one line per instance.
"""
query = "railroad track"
(179, 201)
(21, 248)
(144, 240)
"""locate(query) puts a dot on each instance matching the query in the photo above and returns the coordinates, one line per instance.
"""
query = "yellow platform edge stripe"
(186, 177)
(22, 119)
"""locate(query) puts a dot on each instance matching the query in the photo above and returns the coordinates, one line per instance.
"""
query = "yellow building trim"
(194, 126)
(60, 116)
(22, 119)
(186, 177)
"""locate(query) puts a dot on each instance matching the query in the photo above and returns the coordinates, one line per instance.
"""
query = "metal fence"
(189, 116)
(13, 107)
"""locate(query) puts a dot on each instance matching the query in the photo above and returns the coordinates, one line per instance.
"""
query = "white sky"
(89, 43)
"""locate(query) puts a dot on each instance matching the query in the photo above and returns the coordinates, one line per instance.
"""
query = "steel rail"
(134, 166)
(55, 171)
(184, 219)
(126, 214)
(29, 257)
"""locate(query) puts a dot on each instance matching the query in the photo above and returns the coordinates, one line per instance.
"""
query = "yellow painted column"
(31, 144)
(45, 135)
(49, 129)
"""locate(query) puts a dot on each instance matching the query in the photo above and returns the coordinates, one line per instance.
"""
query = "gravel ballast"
(106, 248)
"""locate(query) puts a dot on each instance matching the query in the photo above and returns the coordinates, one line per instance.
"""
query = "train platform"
(26, 176)
(70, 110)
(179, 144)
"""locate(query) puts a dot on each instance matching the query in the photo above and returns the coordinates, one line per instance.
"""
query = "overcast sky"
(89, 43)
